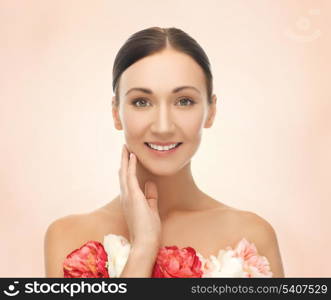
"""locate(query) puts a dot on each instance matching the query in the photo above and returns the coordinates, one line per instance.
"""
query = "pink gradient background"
(269, 150)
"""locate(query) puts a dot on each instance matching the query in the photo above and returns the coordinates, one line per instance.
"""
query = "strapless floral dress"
(96, 260)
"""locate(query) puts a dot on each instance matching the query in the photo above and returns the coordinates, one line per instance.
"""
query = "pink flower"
(89, 261)
(254, 264)
(173, 262)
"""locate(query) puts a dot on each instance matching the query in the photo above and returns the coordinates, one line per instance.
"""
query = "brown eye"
(141, 102)
(186, 100)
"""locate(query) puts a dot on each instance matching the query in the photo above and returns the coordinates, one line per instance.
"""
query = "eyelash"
(139, 99)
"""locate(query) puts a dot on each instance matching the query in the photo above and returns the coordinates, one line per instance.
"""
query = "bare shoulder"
(70, 232)
(75, 229)
(247, 221)
(256, 229)
(67, 225)
(62, 236)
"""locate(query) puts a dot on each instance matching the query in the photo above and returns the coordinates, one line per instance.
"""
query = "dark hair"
(154, 39)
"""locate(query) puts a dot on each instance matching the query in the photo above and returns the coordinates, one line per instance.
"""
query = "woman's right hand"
(140, 209)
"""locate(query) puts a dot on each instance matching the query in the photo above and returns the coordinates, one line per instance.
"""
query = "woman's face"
(156, 108)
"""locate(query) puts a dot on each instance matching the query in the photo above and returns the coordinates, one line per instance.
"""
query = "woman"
(163, 99)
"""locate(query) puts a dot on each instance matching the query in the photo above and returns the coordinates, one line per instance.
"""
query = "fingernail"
(131, 155)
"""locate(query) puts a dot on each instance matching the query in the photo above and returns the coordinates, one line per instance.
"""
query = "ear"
(211, 113)
(116, 115)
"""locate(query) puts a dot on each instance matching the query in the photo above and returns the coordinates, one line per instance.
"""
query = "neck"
(177, 192)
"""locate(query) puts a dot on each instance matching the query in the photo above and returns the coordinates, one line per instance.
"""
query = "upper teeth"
(157, 147)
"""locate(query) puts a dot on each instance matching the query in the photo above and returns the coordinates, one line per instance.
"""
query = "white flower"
(224, 265)
(118, 249)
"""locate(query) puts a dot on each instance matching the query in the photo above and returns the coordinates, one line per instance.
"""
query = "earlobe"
(116, 117)
(211, 112)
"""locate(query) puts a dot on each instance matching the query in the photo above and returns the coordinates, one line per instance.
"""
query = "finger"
(132, 181)
(151, 195)
(151, 190)
(123, 170)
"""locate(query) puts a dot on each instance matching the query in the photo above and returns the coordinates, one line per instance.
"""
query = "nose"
(162, 120)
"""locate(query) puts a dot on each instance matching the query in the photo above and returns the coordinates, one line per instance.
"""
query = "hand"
(140, 209)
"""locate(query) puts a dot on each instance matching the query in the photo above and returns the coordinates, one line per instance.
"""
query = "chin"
(165, 169)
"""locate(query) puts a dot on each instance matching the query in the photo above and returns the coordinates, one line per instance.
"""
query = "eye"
(142, 102)
(186, 100)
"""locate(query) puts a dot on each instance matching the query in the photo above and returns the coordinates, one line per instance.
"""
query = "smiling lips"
(163, 144)
(161, 148)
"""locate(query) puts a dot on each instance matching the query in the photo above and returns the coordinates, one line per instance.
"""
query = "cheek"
(192, 125)
(133, 123)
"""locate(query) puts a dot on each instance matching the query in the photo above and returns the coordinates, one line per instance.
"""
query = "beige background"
(269, 150)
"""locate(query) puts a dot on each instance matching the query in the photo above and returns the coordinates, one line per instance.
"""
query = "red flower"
(172, 262)
(89, 261)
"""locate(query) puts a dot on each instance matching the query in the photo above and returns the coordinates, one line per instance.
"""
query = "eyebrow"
(175, 90)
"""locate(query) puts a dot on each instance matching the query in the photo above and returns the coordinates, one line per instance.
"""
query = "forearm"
(140, 263)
